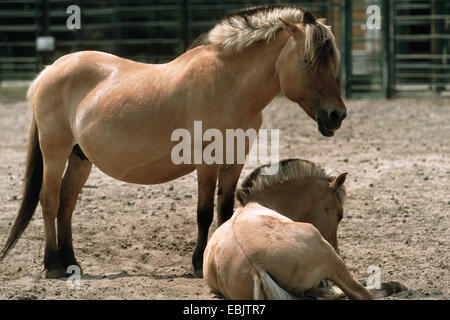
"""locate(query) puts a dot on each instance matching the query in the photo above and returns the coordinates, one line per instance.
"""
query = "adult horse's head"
(307, 67)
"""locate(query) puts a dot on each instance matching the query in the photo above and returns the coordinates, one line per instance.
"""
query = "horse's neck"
(287, 201)
(256, 72)
(255, 208)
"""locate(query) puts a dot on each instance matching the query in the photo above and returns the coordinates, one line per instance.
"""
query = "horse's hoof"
(55, 274)
(395, 286)
(325, 284)
(197, 273)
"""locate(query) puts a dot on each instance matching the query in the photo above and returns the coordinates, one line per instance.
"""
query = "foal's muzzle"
(329, 122)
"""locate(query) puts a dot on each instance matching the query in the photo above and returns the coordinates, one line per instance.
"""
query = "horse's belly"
(140, 161)
(152, 172)
(131, 146)
(156, 173)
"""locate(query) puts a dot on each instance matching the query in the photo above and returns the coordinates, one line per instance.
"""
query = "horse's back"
(257, 238)
(225, 268)
(67, 81)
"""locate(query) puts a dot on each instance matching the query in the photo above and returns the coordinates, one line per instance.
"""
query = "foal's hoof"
(55, 274)
(198, 273)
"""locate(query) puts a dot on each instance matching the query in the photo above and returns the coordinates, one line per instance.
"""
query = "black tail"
(31, 189)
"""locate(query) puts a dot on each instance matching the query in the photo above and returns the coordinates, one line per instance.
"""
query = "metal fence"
(421, 47)
(408, 54)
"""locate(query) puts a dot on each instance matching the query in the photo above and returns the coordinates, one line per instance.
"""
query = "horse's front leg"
(206, 180)
(228, 178)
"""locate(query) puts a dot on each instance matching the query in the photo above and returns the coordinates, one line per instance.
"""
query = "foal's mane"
(243, 28)
(289, 170)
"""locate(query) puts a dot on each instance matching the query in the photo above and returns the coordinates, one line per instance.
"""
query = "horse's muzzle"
(329, 122)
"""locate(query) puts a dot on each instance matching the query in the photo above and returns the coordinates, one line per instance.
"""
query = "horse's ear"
(339, 181)
(322, 21)
(289, 27)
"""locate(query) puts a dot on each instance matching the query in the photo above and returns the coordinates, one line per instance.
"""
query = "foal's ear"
(289, 27)
(339, 181)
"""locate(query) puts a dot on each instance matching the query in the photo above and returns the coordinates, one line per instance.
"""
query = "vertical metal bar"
(157, 30)
(79, 33)
(45, 23)
(117, 28)
(44, 18)
(385, 53)
(437, 29)
(346, 48)
(185, 25)
(37, 13)
(391, 48)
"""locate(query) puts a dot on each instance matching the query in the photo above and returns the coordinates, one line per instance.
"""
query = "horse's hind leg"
(54, 160)
(75, 177)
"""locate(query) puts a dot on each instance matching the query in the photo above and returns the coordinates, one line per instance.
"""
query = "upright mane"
(289, 170)
(243, 28)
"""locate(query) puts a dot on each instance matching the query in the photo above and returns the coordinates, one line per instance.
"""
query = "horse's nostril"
(334, 116)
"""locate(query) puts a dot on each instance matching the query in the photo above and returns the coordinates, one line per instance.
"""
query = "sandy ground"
(135, 242)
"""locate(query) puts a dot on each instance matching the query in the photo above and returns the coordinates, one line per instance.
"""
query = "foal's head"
(307, 68)
(300, 190)
(328, 211)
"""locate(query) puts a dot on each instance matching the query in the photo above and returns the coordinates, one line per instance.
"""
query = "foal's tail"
(31, 185)
(265, 288)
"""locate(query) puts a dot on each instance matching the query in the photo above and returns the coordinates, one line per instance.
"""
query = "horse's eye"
(340, 215)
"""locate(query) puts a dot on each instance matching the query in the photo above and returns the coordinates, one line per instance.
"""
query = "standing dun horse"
(96, 108)
(262, 253)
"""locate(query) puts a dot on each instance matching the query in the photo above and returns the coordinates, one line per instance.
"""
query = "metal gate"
(18, 27)
(406, 54)
(421, 40)
(365, 58)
